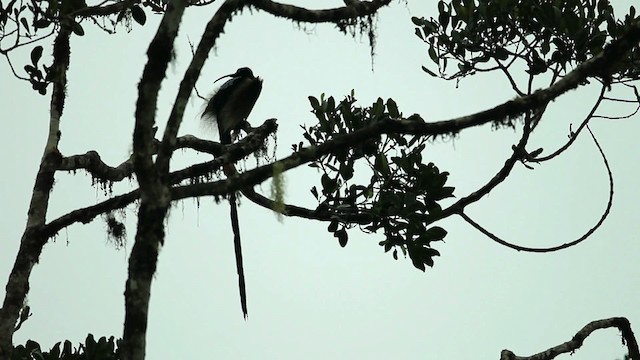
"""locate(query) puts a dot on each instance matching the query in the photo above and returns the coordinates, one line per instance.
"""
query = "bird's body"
(233, 102)
(229, 107)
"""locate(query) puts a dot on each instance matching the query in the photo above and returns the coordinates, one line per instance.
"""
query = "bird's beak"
(222, 77)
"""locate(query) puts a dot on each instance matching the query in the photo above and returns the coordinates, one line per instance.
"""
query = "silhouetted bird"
(229, 107)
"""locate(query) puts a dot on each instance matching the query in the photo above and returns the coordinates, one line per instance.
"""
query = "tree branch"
(586, 235)
(354, 10)
(228, 154)
(154, 189)
(578, 339)
(32, 243)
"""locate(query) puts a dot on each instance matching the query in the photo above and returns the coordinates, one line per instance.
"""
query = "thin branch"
(87, 214)
(518, 152)
(574, 134)
(506, 72)
(603, 217)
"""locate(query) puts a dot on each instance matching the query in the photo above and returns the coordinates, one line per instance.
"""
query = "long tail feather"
(238, 247)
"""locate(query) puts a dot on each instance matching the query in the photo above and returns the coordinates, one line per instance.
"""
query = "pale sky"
(308, 297)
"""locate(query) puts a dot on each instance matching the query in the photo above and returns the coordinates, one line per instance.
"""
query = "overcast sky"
(308, 297)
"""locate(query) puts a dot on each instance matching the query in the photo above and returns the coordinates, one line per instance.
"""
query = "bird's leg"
(246, 127)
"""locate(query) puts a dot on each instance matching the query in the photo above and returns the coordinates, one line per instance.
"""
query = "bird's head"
(243, 72)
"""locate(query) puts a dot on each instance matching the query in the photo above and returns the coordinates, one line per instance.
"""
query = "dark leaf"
(342, 237)
(41, 23)
(417, 21)
(314, 191)
(315, 104)
(419, 34)
(393, 108)
(36, 54)
(138, 15)
(429, 72)
(24, 23)
(435, 233)
(30, 70)
(77, 29)
(333, 226)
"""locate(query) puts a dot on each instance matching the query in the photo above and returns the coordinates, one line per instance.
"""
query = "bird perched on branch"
(232, 103)
(229, 108)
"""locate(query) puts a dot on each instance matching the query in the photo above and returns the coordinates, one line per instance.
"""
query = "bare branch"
(578, 339)
(87, 214)
(354, 10)
(563, 246)
(574, 134)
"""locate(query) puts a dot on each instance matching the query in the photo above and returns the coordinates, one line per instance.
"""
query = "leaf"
(77, 29)
(333, 226)
(315, 104)
(36, 54)
(433, 55)
(381, 165)
(417, 262)
(429, 72)
(417, 21)
(314, 191)
(30, 70)
(419, 34)
(393, 108)
(138, 15)
(41, 23)
(435, 233)
(24, 23)
(342, 237)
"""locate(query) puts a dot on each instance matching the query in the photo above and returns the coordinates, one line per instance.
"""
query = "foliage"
(102, 349)
(25, 22)
(401, 197)
(544, 36)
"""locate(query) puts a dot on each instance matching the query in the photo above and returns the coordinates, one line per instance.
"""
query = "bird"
(233, 102)
(229, 107)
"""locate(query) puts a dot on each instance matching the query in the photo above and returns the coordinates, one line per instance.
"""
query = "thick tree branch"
(578, 339)
(354, 10)
(32, 242)
(154, 189)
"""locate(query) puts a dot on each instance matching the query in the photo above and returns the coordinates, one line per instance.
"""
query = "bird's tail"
(238, 248)
(229, 169)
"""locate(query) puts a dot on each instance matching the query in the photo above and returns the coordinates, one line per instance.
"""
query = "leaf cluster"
(23, 22)
(103, 349)
(400, 194)
(550, 35)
